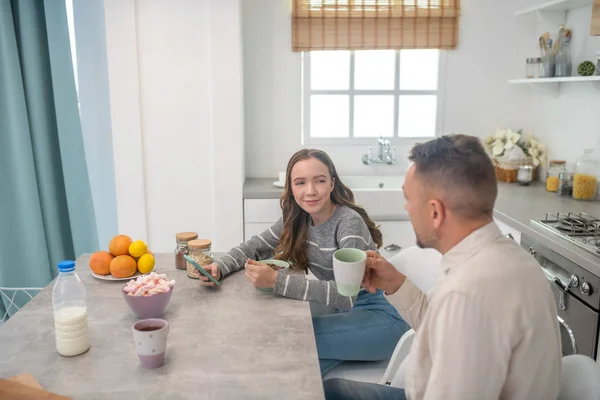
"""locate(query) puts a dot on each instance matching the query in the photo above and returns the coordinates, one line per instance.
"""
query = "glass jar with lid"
(533, 67)
(585, 179)
(199, 251)
(554, 169)
(565, 184)
(525, 175)
(182, 239)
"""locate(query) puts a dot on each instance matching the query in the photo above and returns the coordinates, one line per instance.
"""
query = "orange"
(119, 245)
(123, 267)
(100, 262)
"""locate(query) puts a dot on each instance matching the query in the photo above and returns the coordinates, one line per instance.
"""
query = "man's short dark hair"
(458, 165)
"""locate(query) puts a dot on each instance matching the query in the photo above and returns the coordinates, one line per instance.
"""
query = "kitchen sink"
(380, 196)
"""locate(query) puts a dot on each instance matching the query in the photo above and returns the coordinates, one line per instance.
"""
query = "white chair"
(420, 266)
(8, 295)
(579, 378)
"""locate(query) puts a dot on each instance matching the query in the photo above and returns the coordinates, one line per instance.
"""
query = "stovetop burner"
(579, 228)
(570, 227)
(593, 241)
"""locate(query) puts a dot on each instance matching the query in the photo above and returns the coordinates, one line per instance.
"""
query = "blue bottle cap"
(66, 266)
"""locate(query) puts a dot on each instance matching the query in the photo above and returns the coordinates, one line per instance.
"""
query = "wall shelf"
(556, 5)
(557, 80)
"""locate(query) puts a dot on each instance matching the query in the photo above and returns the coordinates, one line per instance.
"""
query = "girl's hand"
(212, 269)
(260, 275)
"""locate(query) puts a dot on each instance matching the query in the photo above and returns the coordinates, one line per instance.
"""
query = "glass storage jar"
(533, 68)
(200, 252)
(525, 175)
(182, 239)
(585, 179)
(555, 168)
(565, 184)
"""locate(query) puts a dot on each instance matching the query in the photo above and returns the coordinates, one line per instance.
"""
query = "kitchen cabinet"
(509, 230)
(259, 215)
(261, 210)
(255, 228)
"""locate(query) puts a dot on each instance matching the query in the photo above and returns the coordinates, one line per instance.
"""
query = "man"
(488, 329)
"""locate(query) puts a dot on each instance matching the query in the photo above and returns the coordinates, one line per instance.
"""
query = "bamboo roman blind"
(595, 26)
(374, 24)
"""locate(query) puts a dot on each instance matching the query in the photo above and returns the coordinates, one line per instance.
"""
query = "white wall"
(175, 83)
(477, 97)
(174, 69)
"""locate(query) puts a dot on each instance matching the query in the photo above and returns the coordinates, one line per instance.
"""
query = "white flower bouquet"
(509, 149)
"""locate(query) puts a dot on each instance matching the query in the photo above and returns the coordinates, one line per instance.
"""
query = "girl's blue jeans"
(367, 332)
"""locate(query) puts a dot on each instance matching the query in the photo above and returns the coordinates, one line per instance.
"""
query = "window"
(353, 95)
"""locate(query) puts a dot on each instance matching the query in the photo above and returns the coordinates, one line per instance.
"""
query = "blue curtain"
(46, 209)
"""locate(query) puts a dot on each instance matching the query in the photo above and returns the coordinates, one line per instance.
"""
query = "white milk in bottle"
(70, 312)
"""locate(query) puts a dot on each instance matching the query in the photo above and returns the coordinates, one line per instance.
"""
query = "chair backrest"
(579, 378)
(13, 299)
(420, 266)
(394, 373)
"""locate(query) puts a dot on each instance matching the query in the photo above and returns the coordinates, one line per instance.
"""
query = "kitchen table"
(230, 342)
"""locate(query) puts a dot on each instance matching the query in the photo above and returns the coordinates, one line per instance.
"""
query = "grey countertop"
(261, 188)
(232, 342)
(516, 206)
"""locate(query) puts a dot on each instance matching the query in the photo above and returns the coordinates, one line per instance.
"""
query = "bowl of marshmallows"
(149, 295)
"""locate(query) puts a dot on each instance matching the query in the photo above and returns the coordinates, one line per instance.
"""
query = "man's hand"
(380, 274)
(260, 274)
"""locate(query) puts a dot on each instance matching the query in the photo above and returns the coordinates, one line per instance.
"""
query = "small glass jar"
(525, 175)
(585, 179)
(555, 168)
(200, 252)
(565, 184)
(182, 239)
(533, 67)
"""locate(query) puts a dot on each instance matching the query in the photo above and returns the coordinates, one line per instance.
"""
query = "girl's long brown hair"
(296, 222)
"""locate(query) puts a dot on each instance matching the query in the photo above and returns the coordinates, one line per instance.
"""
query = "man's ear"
(437, 212)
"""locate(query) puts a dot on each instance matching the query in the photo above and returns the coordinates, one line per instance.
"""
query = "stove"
(576, 290)
(579, 228)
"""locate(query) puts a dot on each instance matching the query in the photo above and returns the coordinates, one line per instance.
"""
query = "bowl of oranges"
(125, 259)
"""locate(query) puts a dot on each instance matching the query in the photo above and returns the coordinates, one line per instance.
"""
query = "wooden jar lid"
(199, 244)
(185, 236)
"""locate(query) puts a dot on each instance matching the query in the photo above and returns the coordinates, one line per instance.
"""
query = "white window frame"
(307, 140)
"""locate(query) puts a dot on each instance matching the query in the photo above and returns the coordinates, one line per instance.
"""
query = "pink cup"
(150, 341)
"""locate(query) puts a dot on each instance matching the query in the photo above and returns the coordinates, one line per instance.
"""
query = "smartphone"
(202, 270)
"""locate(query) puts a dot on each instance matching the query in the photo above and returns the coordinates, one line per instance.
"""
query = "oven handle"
(570, 332)
(557, 280)
(563, 289)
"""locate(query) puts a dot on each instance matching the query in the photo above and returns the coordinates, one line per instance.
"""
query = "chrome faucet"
(385, 155)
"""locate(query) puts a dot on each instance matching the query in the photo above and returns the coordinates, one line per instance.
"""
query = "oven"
(577, 294)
